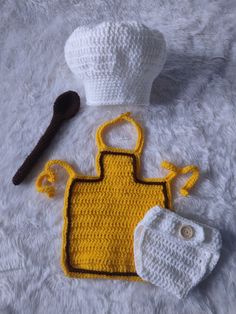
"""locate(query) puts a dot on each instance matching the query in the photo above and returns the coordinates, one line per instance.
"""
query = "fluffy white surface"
(192, 119)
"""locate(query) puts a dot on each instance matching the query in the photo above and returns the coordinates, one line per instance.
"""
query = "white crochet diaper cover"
(173, 252)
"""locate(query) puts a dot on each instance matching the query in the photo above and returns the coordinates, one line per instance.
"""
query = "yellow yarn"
(174, 171)
(101, 212)
(49, 175)
(124, 116)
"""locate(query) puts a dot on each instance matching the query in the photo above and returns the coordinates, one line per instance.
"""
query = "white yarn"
(117, 61)
(167, 259)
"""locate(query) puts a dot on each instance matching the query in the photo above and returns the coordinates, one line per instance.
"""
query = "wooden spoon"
(65, 107)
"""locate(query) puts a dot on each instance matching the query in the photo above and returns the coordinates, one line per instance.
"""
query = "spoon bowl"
(66, 105)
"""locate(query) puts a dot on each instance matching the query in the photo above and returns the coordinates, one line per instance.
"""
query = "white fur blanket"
(192, 119)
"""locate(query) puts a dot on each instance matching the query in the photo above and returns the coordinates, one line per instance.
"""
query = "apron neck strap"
(123, 117)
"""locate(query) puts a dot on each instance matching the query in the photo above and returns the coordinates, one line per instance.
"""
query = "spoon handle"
(41, 146)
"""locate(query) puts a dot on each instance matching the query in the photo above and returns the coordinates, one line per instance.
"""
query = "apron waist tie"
(174, 171)
(48, 176)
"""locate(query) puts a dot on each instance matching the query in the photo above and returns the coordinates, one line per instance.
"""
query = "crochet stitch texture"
(101, 212)
(169, 256)
(117, 61)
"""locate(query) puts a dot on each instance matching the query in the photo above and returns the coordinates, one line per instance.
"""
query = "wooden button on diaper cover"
(186, 232)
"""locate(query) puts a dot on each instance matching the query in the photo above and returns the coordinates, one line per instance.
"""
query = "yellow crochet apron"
(101, 212)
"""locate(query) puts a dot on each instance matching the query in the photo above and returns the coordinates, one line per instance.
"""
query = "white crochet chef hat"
(117, 61)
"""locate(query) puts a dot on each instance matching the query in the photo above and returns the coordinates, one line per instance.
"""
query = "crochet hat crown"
(117, 61)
